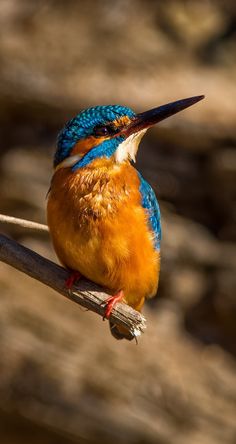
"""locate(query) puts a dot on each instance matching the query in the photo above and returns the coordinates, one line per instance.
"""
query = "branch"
(86, 293)
(23, 223)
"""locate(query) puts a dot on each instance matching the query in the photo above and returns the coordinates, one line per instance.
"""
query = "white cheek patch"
(68, 162)
(128, 149)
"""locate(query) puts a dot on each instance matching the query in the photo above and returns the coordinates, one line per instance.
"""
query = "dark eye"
(107, 130)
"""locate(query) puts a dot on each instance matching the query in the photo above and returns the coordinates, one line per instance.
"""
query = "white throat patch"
(128, 149)
(68, 162)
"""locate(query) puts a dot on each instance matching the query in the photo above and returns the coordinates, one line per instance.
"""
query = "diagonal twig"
(86, 293)
(23, 223)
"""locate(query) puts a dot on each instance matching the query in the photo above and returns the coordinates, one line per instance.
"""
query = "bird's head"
(109, 131)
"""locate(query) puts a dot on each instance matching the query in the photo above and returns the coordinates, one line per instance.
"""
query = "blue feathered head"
(99, 131)
(96, 121)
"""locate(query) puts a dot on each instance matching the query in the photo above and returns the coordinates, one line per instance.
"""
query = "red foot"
(110, 302)
(73, 277)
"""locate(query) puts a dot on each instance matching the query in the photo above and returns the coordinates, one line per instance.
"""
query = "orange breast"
(99, 228)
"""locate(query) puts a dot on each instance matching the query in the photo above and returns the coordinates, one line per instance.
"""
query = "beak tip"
(201, 97)
(192, 100)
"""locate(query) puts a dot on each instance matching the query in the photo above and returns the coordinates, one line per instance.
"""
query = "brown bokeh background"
(63, 378)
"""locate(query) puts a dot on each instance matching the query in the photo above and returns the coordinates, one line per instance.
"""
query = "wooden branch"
(23, 223)
(86, 293)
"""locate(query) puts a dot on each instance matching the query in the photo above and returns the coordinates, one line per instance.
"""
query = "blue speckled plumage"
(82, 126)
(150, 203)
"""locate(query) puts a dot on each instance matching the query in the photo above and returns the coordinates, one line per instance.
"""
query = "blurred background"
(63, 378)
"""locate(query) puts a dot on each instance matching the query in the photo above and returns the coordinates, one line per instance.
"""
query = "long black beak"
(148, 118)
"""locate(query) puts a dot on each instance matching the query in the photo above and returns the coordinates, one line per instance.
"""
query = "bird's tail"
(120, 332)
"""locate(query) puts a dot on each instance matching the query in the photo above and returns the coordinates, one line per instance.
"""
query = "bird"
(103, 216)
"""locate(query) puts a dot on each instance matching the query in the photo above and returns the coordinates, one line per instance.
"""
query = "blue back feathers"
(149, 202)
(82, 126)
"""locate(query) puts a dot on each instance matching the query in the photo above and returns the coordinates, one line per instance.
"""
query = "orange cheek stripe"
(84, 145)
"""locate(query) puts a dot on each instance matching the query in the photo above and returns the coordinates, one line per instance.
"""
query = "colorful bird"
(103, 216)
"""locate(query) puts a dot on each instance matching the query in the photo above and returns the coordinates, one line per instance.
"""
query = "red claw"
(73, 277)
(110, 302)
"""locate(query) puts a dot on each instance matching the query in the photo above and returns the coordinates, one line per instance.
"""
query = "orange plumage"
(99, 228)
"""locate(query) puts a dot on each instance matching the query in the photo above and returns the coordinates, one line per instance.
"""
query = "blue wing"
(149, 202)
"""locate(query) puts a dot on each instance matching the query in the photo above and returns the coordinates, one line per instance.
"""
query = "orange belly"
(102, 230)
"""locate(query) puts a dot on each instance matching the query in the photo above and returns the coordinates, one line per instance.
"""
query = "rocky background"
(63, 378)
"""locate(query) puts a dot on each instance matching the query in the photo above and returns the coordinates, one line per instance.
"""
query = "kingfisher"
(103, 216)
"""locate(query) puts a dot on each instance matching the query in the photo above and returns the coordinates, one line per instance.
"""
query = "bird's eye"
(107, 130)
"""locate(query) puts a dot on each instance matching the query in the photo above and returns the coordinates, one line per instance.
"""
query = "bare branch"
(86, 293)
(23, 223)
